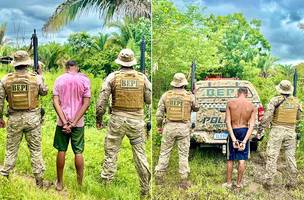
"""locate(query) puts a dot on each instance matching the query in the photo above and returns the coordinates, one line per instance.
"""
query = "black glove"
(193, 125)
(148, 126)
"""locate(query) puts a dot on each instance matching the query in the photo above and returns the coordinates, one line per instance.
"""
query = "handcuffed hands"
(66, 128)
(236, 144)
(239, 145)
(242, 146)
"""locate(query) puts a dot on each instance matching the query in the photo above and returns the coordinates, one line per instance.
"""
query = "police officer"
(130, 90)
(174, 113)
(283, 112)
(22, 89)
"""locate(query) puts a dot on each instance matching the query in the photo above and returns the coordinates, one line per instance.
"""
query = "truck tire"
(193, 144)
(254, 145)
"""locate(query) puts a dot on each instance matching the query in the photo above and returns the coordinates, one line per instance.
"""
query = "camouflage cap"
(21, 58)
(285, 87)
(126, 58)
(179, 80)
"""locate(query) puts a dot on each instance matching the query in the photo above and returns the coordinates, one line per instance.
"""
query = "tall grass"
(125, 185)
(208, 173)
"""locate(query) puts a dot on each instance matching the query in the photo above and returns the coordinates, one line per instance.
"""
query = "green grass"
(208, 171)
(20, 186)
(207, 168)
(125, 185)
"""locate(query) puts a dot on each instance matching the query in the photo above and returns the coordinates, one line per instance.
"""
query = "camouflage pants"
(286, 137)
(174, 132)
(27, 124)
(134, 130)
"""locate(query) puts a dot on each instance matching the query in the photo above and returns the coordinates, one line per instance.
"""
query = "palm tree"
(286, 69)
(125, 32)
(101, 41)
(52, 55)
(127, 36)
(265, 64)
(107, 9)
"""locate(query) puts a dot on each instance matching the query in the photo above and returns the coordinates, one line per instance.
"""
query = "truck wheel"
(193, 144)
(254, 146)
(193, 148)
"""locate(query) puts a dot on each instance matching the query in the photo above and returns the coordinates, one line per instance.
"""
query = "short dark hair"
(70, 63)
(243, 90)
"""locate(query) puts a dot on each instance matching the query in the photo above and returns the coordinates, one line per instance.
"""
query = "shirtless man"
(240, 120)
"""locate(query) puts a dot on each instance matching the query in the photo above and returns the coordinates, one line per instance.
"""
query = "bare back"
(241, 111)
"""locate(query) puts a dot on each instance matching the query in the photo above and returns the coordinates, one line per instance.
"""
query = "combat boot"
(267, 185)
(159, 180)
(4, 175)
(292, 184)
(39, 182)
(144, 195)
(185, 184)
(292, 181)
(106, 181)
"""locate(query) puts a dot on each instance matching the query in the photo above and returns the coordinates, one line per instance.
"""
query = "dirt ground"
(253, 179)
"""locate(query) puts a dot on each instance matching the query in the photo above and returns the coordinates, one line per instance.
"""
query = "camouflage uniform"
(124, 123)
(23, 122)
(280, 135)
(174, 131)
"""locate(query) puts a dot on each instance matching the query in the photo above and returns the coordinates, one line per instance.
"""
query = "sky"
(279, 18)
(279, 21)
(22, 16)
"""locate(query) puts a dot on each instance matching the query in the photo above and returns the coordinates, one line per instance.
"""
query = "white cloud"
(279, 21)
(23, 16)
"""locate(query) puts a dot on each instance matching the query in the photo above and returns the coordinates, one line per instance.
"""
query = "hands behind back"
(242, 146)
(236, 144)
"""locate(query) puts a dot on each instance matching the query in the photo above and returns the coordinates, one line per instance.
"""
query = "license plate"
(220, 136)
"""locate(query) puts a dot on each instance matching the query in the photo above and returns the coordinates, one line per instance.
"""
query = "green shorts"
(61, 139)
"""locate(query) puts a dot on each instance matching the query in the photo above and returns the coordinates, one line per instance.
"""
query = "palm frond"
(107, 9)
(125, 29)
(101, 41)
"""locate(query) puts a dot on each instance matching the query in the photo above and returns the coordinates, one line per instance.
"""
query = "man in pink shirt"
(71, 99)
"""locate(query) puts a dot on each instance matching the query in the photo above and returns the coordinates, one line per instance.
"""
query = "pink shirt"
(71, 89)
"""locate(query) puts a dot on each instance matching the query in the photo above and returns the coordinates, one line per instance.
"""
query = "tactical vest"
(128, 91)
(178, 105)
(22, 91)
(286, 113)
